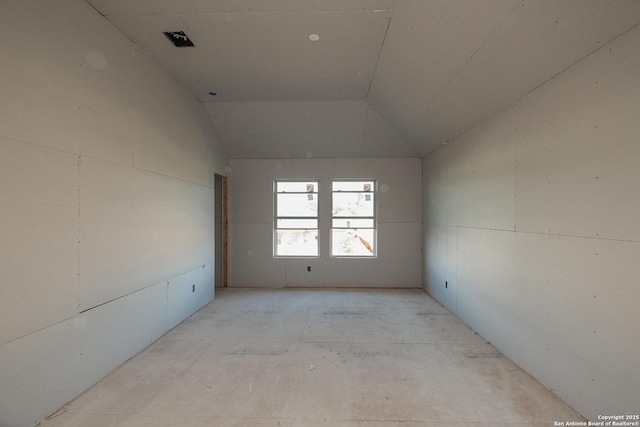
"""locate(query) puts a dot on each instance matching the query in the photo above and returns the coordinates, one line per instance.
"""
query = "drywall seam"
(536, 232)
(471, 57)
(518, 100)
(163, 282)
(46, 147)
(366, 117)
(78, 233)
(173, 177)
(455, 299)
(375, 68)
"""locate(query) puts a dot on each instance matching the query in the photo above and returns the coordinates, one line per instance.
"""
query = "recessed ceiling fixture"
(179, 38)
(314, 37)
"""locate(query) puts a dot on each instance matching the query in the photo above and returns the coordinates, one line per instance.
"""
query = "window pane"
(296, 187)
(297, 243)
(352, 186)
(353, 204)
(353, 222)
(352, 242)
(305, 205)
(297, 223)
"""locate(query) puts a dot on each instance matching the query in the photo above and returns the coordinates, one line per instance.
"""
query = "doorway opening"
(221, 214)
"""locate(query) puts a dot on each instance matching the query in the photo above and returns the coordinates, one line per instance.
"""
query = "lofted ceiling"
(387, 78)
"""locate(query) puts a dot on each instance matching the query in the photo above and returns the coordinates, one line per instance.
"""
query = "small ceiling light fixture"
(314, 37)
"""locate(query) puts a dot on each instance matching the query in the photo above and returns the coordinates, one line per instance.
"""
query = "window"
(353, 221)
(296, 218)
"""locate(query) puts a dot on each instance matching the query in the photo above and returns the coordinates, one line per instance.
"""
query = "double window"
(353, 218)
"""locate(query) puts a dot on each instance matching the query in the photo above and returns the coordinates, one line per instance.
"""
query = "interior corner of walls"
(440, 264)
(505, 296)
(381, 139)
(252, 245)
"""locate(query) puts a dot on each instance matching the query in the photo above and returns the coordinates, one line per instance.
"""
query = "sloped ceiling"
(388, 78)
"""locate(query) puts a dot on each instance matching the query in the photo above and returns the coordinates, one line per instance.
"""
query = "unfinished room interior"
(319, 213)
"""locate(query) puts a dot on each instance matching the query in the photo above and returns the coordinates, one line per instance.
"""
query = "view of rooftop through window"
(353, 218)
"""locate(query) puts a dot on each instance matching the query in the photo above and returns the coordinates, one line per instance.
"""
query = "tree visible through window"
(353, 210)
(296, 218)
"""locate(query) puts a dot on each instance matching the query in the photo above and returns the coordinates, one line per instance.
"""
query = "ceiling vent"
(178, 38)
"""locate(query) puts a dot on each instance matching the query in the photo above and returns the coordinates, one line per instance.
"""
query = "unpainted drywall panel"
(79, 75)
(265, 130)
(251, 182)
(578, 150)
(149, 226)
(189, 292)
(285, 91)
(399, 185)
(382, 140)
(399, 238)
(439, 271)
(175, 218)
(479, 170)
(408, 78)
(41, 372)
(399, 252)
(107, 258)
(174, 135)
(298, 276)
(399, 255)
(39, 235)
(565, 322)
(313, 168)
(265, 50)
(339, 26)
(251, 188)
(114, 332)
(251, 257)
(169, 7)
(349, 47)
(556, 292)
(583, 298)
(77, 86)
(486, 286)
(554, 35)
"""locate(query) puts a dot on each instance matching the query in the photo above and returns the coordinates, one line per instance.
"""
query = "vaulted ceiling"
(387, 78)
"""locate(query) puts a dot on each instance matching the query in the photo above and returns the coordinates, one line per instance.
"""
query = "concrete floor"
(318, 358)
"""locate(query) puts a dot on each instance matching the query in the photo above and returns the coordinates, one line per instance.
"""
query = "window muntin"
(296, 218)
(353, 222)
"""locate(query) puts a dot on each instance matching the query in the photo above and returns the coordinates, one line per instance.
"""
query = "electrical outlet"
(308, 268)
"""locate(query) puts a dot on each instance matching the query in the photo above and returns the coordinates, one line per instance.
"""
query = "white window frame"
(374, 218)
(315, 192)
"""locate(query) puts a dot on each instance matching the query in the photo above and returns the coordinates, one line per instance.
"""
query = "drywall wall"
(532, 220)
(399, 224)
(106, 203)
(275, 130)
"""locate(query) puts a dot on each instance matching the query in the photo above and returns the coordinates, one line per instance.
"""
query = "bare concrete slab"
(318, 358)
